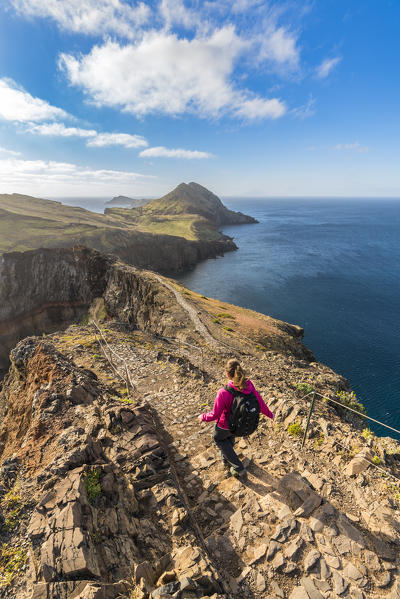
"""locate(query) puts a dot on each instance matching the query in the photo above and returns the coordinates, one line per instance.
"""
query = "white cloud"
(95, 139)
(355, 147)
(174, 12)
(326, 67)
(168, 75)
(88, 17)
(258, 108)
(117, 139)
(279, 45)
(60, 130)
(18, 105)
(49, 177)
(9, 152)
(161, 152)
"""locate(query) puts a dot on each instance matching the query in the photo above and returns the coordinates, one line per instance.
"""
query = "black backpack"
(245, 413)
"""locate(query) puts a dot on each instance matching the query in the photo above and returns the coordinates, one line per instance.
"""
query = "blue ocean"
(331, 266)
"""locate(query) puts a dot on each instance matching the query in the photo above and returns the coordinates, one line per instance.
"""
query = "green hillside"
(189, 211)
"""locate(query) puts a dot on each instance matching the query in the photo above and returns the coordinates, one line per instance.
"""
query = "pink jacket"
(223, 404)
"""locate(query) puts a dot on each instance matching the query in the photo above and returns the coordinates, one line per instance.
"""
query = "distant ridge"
(126, 202)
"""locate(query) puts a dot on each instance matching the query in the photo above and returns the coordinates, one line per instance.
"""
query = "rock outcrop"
(111, 489)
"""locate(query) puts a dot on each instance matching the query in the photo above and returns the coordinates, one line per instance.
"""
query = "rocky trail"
(110, 492)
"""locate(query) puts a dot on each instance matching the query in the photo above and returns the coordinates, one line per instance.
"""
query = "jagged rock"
(299, 593)
(311, 559)
(273, 547)
(310, 504)
(237, 523)
(278, 562)
(260, 582)
(259, 552)
(333, 562)
(310, 589)
(350, 571)
(383, 580)
(359, 464)
(340, 585)
(293, 549)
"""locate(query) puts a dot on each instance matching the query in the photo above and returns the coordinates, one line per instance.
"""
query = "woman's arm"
(218, 408)
(264, 409)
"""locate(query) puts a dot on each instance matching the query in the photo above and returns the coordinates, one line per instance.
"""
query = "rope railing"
(364, 416)
(127, 378)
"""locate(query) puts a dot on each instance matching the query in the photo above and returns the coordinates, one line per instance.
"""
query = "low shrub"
(295, 429)
(12, 561)
(92, 485)
(367, 434)
(350, 400)
(305, 388)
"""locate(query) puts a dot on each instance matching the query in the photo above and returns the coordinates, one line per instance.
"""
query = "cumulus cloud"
(174, 12)
(258, 108)
(57, 177)
(279, 45)
(161, 152)
(18, 105)
(89, 17)
(165, 74)
(9, 152)
(117, 139)
(60, 130)
(95, 139)
(327, 66)
(355, 147)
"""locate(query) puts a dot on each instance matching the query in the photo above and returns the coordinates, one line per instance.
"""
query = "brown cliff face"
(47, 289)
(43, 290)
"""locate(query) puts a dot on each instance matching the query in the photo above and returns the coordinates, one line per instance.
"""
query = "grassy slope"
(28, 223)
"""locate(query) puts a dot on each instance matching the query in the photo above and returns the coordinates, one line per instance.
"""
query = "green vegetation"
(12, 505)
(376, 460)
(228, 329)
(295, 429)
(216, 321)
(305, 388)
(225, 315)
(318, 442)
(367, 434)
(12, 561)
(126, 400)
(92, 485)
(189, 211)
(350, 400)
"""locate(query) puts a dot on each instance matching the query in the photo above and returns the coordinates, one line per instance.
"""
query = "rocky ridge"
(108, 491)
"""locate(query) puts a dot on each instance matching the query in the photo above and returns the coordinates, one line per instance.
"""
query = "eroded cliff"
(46, 289)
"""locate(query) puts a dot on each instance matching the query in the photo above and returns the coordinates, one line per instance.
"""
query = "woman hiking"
(223, 437)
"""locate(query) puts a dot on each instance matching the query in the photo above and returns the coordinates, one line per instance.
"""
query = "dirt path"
(198, 324)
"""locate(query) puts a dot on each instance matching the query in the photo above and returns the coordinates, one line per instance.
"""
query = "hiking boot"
(238, 473)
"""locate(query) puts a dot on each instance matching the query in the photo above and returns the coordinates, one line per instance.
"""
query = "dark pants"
(225, 442)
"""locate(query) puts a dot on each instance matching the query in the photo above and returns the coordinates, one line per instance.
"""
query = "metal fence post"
(308, 419)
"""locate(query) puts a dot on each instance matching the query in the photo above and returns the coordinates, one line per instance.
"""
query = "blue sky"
(247, 97)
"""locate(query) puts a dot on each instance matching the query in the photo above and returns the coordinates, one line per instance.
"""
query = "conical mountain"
(192, 198)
